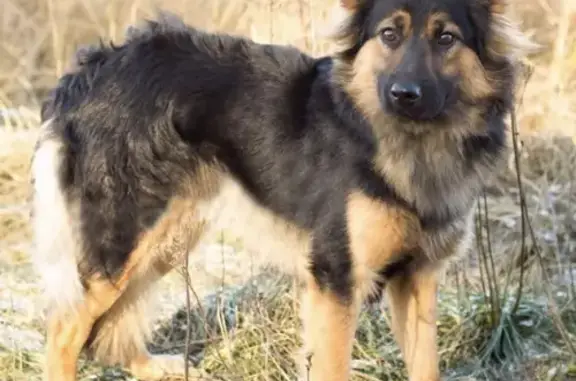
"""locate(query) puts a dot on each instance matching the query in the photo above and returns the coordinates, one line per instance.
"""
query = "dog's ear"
(349, 4)
(504, 38)
(493, 7)
(498, 7)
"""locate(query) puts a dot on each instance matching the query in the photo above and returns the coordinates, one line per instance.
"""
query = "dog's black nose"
(405, 94)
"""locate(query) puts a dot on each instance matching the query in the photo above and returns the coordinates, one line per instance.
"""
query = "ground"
(507, 309)
(251, 312)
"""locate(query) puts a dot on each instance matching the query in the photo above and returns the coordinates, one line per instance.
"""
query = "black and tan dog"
(352, 171)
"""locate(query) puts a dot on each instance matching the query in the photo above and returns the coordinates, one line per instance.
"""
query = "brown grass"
(251, 320)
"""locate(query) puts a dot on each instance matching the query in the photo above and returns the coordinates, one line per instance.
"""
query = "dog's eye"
(389, 35)
(446, 39)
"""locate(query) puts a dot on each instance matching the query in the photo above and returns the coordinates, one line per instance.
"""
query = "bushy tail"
(56, 237)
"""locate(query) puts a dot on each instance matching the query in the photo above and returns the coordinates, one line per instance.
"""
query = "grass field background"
(507, 309)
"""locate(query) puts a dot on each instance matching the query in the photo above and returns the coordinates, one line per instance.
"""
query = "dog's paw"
(160, 367)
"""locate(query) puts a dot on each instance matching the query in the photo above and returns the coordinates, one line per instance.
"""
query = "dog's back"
(134, 120)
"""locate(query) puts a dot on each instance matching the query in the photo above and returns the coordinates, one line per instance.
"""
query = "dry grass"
(485, 333)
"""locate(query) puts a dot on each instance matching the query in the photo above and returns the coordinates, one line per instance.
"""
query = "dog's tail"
(56, 237)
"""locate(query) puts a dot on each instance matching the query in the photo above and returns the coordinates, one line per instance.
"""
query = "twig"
(189, 288)
(188, 317)
(523, 209)
(480, 255)
(496, 296)
(521, 195)
(487, 275)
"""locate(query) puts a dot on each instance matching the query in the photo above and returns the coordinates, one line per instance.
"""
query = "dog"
(357, 172)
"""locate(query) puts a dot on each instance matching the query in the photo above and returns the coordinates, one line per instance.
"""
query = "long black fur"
(139, 118)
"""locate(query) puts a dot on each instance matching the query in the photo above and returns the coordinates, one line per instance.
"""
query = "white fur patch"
(56, 245)
(278, 242)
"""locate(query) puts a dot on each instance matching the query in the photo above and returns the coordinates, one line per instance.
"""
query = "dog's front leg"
(329, 323)
(347, 253)
(413, 300)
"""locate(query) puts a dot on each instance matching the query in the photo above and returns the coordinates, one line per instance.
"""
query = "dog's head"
(421, 60)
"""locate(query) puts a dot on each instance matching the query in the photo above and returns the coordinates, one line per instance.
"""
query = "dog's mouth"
(419, 114)
(429, 109)
(414, 104)
(425, 113)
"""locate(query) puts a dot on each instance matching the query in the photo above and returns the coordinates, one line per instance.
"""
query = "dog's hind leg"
(112, 320)
(107, 311)
(119, 337)
(69, 328)
(121, 334)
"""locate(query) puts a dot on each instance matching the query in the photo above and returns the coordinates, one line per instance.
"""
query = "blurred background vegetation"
(507, 309)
